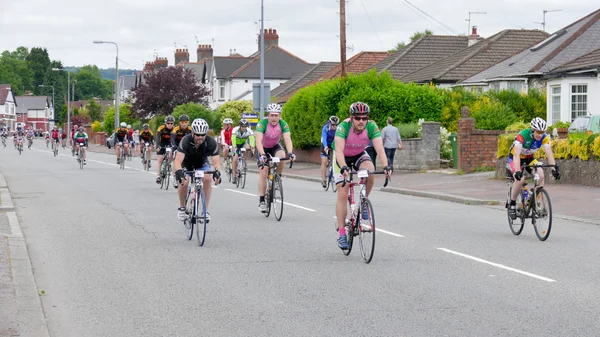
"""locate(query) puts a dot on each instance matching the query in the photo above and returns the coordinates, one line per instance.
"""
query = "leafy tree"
(80, 120)
(195, 110)
(234, 110)
(90, 84)
(124, 116)
(166, 89)
(414, 37)
(38, 61)
(14, 70)
(95, 110)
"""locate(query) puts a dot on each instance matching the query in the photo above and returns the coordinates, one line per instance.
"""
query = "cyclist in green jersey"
(241, 136)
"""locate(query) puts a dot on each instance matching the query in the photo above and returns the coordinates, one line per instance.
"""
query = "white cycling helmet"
(538, 124)
(199, 126)
(274, 107)
(227, 121)
(128, 126)
(123, 124)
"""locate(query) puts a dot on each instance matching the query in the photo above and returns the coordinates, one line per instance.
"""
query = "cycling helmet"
(227, 121)
(243, 122)
(199, 126)
(334, 120)
(184, 118)
(146, 126)
(128, 126)
(81, 129)
(359, 108)
(123, 124)
(169, 118)
(274, 107)
(538, 124)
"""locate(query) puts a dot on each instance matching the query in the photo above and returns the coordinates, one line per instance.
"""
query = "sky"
(308, 29)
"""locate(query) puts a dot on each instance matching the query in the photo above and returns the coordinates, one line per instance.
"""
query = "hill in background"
(108, 74)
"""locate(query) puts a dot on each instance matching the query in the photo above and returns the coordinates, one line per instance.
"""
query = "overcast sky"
(307, 28)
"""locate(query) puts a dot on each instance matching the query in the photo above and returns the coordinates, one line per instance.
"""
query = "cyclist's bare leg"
(208, 181)
(541, 173)
(323, 168)
(149, 153)
(367, 165)
(262, 180)
(159, 160)
(516, 188)
(234, 164)
(280, 154)
(182, 191)
(341, 203)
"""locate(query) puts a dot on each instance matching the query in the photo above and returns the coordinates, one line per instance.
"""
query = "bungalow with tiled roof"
(302, 79)
(476, 58)
(8, 106)
(356, 64)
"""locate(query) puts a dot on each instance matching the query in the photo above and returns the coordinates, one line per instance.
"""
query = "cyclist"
(179, 132)
(193, 153)
(351, 139)
(327, 136)
(30, 136)
(226, 136)
(18, 138)
(71, 142)
(131, 139)
(4, 135)
(121, 136)
(241, 136)
(46, 135)
(268, 134)
(163, 139)
(81, 139)
(63, 137)
(146, 136)
(55, 136)
(521, 152)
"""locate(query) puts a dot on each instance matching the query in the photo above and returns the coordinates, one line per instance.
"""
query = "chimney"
(474, 37)
(161, 62)
(181, 55)
(204, 51)
(149, 66)
(271, 38)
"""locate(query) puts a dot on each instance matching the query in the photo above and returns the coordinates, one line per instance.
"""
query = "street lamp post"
(68, 99)
(117, 98)
(262, 60)
(41, 85)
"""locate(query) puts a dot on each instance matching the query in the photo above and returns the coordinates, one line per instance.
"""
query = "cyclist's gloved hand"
(262, 159)
(344, 170)
(180, 175)
(292, 156)
(387, 170)
(556, 173)
(518, 175)
(217, 177)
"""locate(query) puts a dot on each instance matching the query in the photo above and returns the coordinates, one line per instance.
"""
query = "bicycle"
(354, 215)
(54, 148)
(4, 141)
(241, 169)
(165, 169)
(228, 168)
(80, 156)
(47, 142)
(129, 153)
(29, 143)
(195, 206)
(145, 160)
(20, 146)
(330, 175)
(64, 143)
(532, 204)
(121, 156)
(274, 186)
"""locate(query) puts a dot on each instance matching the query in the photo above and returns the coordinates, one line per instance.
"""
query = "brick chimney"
(181, 55)
(161, 62)
(271, 38)
(204, 51)
(474, 37)
(149, 66)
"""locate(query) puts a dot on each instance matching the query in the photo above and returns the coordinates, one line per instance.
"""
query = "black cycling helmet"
(243, 122)
(184, 118)
(169, 118)
(359, 108)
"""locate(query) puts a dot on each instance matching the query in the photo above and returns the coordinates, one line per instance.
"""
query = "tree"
(166, 89)
(38, 61)
(57, 79)
(124, 116)
(195, 110)
(80, 120)
(416, 35)
(90, 84)
(14, 70)
(95, 110)
(234, 110)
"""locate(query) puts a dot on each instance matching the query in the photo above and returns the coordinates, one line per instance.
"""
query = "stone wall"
(476, 148)
(420, 154)
(572, 171)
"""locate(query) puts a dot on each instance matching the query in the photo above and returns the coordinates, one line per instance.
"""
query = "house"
(356, 64)
(423, 52)
(302, 79)
(126, 85)
(476, 58)
(533, 67)
(8, 106)
(574, 88)
(231, 77)
(34, 111)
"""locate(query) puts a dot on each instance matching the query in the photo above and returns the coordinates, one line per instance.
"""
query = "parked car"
(110, 141)
(586, 124)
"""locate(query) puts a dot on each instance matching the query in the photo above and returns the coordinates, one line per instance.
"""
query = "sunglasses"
(539, 132)
(169, 123)
(199, 134)
(364, 118)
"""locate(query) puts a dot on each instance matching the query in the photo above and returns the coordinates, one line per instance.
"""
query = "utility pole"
(543, 23)
(343, 36)
(469, 21)
(262, 60)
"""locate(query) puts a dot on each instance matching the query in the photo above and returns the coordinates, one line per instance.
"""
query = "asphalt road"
(111, 257)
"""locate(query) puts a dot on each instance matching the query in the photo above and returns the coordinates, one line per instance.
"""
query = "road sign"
(252, 118)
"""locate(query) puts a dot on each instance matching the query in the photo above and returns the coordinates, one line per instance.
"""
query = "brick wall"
(476, 147)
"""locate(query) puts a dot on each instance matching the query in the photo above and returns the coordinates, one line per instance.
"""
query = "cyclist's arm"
(252, 139)
(287, 139)
(233, 139)
(222, 138)
(340, 144)
(259, 147)
(517, 155)
(324, 136)
(178, 161)
(157, 139)
(378, 146)
(173, 139)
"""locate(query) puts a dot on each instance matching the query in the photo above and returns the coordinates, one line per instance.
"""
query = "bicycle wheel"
(268, 198)
(243, 176)
(80, 159)
(162, 174)
(328, 181)
(238, 176)
(167, 177)
(277, 197)
(200, 217)
(542, 214)
(188, 223)
(228, 168)
(516, 225)
(332, 179)
(366, 232)
(350, 220)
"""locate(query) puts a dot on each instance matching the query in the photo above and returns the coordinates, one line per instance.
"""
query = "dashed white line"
(498, 265)
(384, 231)
(287, 203)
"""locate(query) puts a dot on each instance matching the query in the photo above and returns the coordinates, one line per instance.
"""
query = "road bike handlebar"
(351, 173)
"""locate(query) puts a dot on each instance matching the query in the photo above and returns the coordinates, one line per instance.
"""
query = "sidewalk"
(573, 202)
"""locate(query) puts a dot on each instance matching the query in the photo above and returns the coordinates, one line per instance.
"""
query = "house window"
(578, 100)
(221, 89)
(515, 85)
(555, 100)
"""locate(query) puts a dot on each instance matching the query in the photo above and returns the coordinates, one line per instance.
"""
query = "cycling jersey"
(226, 136)
(130, 133)
(327, 135)
(356, 143)
(121, 134)
(163, 135)
(81, 138)
(528, 144)
(180, 133)
(197, 157)
(55, 134)
(272, 133)
(239, 138)
(146, 136)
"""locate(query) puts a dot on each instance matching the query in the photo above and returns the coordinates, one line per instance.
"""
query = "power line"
(419, 14)
(446, 26)
(371, 22)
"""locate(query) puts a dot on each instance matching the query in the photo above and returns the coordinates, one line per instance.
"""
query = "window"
(578, 100)
(555, 101)
(221, 89)
(516, 86)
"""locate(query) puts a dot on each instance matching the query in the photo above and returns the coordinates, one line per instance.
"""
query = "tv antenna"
(469, 21)
(543, 23)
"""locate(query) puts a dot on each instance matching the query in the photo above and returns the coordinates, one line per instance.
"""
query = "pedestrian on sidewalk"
(391, 141)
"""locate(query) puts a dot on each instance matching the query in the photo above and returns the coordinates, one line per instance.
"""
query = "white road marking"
(498, 265)
(287, 203)
(384, 231)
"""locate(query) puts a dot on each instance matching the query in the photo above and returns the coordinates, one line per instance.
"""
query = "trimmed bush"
(96, 126)
(492, 115)
(504, 143)
(561, 148)
(595, 147)
(195, 110)
(518, 126)
(409, 130)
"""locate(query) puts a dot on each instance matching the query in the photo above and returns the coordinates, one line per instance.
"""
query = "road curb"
(293, 176)
(440, 196)
(7, 204)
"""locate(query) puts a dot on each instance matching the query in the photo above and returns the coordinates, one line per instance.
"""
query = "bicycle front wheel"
(515, 225)
(277, 197)
(188, 223)
(268, 197)
(348, 223)
(167, 177)
(228, 169)
(542, 214)
(366, 232)
(200, 217)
